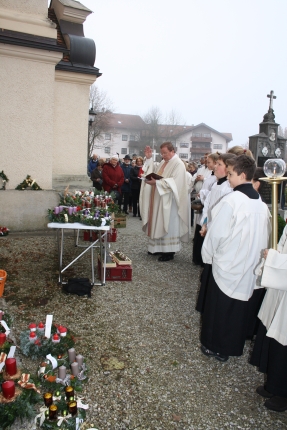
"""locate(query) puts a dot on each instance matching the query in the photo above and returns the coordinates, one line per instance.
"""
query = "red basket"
(112, 235)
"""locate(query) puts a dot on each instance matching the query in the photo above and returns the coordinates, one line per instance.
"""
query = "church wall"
(26, 16)
(33, 7)
(26, 112)
(71, 124)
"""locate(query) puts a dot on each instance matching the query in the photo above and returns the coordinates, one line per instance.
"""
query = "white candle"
(71, 354)
(75, 369)
(62, 372)
(79, 359)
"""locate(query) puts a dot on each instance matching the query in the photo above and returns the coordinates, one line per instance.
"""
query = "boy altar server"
(270, 349)
(238, 233)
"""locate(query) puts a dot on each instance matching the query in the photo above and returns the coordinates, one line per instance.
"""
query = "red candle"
(32, 336)
(2, 338)
(8, 388)
(32, 327)
(56, 338)
(41, 326)
(10, 365)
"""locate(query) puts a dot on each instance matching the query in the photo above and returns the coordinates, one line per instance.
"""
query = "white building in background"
(128, 134)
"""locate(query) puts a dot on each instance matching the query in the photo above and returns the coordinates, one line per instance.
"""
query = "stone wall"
(26, 210)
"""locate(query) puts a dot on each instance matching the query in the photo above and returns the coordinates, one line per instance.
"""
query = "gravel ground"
(150, 325)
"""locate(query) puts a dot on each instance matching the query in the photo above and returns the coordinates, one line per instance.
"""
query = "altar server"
(238, 233)
(270, 349)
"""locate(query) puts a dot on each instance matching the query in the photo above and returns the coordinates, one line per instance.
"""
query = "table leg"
(92, 264)
(60, 252)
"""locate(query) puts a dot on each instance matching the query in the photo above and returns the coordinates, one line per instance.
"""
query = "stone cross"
(271, 97)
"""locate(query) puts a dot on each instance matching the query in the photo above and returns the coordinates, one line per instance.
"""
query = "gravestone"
(267, 143)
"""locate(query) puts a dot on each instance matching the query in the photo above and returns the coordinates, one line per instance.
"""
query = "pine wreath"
(43, 346)
(28, 183)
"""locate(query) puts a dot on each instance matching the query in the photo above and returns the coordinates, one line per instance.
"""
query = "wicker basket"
(3, 276)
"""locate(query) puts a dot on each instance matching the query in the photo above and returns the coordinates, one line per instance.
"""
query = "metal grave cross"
(271, 97)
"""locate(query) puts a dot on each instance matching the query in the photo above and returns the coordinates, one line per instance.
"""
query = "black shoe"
(167, 256)
(262, 392)
(276, 403)
(140, 218)
(134, 215)
(217, 356)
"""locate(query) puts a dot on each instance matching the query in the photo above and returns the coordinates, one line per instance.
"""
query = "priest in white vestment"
(164, 203)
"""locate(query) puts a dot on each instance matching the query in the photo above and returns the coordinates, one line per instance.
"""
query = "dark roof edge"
(30, 41)
(78, 68)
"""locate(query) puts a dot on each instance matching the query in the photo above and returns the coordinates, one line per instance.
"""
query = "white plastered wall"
(26, 113)
(71, 124)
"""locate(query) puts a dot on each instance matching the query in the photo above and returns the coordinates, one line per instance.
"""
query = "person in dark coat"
(126, 187)
(136, 174)
(92, 164)
(113, 177)
(97, 176)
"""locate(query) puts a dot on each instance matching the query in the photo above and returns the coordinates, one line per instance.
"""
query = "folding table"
(100, 242)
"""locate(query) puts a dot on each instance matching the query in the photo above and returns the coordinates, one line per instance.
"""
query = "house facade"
(129, 134)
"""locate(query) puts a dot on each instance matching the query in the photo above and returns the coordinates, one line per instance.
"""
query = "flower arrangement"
(28, 183)
(39, 346)
(4, 231)
(4, 180)
(92, 217)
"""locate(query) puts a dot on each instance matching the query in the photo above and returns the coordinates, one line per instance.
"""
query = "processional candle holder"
(274, 169)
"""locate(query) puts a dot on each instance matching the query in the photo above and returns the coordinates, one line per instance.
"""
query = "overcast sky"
(213, 61)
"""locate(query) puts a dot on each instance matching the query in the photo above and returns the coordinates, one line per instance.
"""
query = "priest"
(164, 203)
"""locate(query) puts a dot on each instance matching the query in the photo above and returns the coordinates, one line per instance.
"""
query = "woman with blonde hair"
(239, 150)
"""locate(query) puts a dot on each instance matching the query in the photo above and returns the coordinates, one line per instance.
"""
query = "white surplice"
(239, 231)
(273, 311)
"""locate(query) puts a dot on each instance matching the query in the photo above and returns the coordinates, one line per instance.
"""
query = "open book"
(154, 176)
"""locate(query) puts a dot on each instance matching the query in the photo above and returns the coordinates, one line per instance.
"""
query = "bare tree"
(103, 107)
(159, 128)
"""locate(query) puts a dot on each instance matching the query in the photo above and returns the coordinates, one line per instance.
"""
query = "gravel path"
(150, 325)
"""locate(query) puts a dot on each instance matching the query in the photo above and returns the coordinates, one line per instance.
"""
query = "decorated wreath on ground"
(5, 342)
(28, 183)
(61, 411)
(22, 404)
(57, 372)
(4, 231)
(34, 344)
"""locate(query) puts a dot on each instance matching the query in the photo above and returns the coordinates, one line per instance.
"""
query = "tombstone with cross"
(267, 143)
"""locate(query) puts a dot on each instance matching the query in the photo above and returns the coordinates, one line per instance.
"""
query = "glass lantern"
(274, 168)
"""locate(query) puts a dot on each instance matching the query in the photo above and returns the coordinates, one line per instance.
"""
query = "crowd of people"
(243, 289)
(122, 177)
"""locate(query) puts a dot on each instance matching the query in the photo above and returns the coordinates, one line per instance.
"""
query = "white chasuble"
(164, 207)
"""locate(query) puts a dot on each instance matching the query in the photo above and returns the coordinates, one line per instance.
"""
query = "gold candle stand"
(274, 210)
